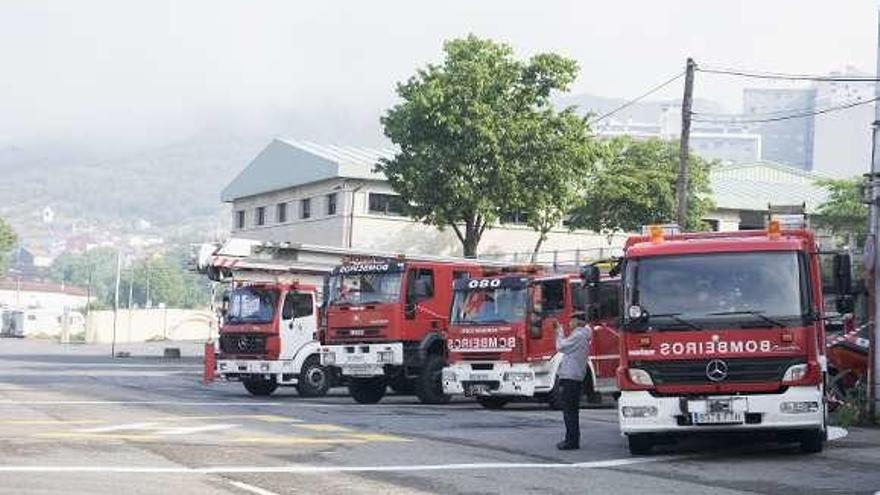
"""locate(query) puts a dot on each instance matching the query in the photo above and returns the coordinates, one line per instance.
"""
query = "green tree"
(8, 239)
(554, 182)
(843, 212)
(634, 185)
(462, 129)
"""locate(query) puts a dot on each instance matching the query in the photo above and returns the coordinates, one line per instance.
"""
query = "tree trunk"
(542, 236)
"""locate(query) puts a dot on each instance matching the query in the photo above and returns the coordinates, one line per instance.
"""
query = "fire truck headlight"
(449, 375)
(222, 366)
(328, 358)
(795, 373)
(384, 356)
(264, 366)
(639, 411)
(799, 407)
(640, 377)
(518, 376)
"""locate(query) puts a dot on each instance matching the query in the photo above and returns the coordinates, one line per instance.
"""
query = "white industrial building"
(329, 195)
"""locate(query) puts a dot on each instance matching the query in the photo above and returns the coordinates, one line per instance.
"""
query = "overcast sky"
(157, 69)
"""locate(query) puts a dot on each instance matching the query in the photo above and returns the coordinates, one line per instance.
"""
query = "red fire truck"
(268, 338)
(722, 332)
(501, 339)
(385, 321)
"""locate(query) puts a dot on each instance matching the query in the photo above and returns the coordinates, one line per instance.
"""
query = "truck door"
(421, 310)
(298, 322)
(551, 304)
(605, 346)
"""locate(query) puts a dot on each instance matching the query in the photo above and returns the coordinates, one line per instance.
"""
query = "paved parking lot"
(72, 420)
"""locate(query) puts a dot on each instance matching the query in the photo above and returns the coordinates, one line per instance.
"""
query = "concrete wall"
(150, 324)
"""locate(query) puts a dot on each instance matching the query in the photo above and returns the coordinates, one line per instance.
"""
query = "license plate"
(360, 369)
(478, 390)
(355, 359)
(479, 376)
(718, 418)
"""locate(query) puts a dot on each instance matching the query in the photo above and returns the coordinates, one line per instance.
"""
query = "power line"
(788, 117)
(784, 76)
(637, 98)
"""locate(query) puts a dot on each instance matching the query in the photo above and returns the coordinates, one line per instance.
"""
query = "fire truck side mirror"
(842, 274)
(591, 274)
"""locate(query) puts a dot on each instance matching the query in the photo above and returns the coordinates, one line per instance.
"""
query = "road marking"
(251, 488)
(299, 440)
(158, 429)
(377, 437)
(101, 436)
(836, 433)
(184, 430)
(51, 422)
(131, 402)
(321, 427)
(309, 469)
(125, 427)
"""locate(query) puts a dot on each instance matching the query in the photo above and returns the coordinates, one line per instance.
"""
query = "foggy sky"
(126, 71)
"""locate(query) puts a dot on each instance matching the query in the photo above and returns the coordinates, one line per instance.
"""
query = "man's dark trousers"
(570, 395)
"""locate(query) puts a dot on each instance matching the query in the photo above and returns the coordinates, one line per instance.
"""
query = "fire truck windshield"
(365, 288)
(251, 305)
(767, 288)
(487, 306)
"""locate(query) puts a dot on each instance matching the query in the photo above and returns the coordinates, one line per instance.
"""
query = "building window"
(331, 204)
(261, 215)
(281, 212)
(239, 219)
(386, 204)
(516, 217)
(305, 208)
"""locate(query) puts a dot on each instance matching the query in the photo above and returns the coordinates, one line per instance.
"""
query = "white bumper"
(767, 406)
(231, 368)
(503, 379)
(362, 359)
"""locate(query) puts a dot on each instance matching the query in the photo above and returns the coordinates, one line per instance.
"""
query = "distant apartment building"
(788, 140)
(726, 142)
(842, 143)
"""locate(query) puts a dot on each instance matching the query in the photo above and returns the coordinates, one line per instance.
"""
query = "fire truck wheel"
(260, 387)
(314, 379)
(493, 402)
(367, 390)
(812, 442)
(640, 444)
(403, 386)
(429, 384)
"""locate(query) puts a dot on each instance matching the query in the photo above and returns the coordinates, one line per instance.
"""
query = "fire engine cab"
(385, 325)
(722, 331)
(501, 341)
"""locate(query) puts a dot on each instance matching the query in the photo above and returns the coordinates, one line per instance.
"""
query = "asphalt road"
(72, 420)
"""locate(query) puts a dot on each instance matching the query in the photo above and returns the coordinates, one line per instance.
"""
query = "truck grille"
(242, 344)
(738, 370)
(480, 356)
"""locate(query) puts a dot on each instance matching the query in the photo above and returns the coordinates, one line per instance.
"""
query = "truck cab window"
(552, 296)
(421, 285)
(297, 305)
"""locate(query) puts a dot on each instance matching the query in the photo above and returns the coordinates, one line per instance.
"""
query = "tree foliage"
(844, 211)
(465, 128)
(634, 184)
(8, 239)
(161, 279)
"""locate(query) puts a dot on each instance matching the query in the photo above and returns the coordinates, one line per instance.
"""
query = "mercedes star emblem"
(716, 370)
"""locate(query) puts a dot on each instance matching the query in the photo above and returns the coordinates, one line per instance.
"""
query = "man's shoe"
(566, 446)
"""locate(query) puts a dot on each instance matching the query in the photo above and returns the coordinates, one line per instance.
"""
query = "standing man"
(572, 372)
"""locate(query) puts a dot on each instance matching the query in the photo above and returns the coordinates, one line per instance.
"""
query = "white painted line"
(184, 430)
(836, 433)
(307, 469)
(108, 429)
(251, 488)
(131, 402)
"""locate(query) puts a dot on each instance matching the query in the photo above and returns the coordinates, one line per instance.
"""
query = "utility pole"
(116, 301)
(874, 389)
(681, 184)
(130, 294)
